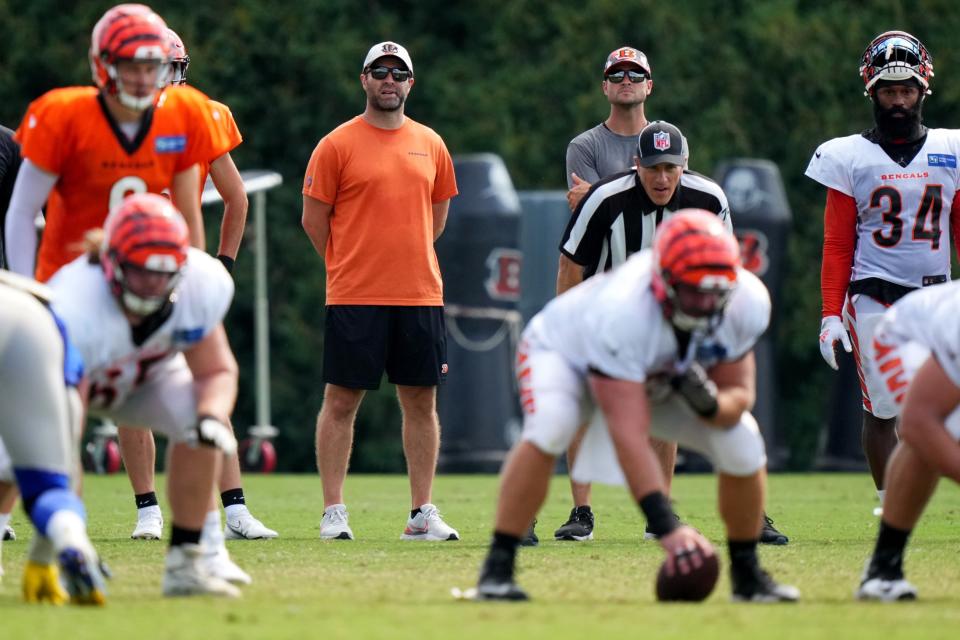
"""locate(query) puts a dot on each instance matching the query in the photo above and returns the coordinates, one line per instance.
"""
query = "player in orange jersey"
(137, 445)
(86, 148)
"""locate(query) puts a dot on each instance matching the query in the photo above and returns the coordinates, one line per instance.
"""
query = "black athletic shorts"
(362, 341)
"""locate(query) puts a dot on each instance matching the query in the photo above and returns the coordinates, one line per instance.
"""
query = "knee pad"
(740, 451)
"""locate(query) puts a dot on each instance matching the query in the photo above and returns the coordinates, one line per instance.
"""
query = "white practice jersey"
(930, 317)
(114, 364)
(903, 213)
(614, 324)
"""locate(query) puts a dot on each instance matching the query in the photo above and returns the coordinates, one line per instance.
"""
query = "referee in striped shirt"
(620, 213)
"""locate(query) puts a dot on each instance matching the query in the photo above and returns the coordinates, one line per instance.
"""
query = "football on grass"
(691, 587)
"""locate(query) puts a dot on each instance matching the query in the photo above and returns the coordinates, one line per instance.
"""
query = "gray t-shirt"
(598, 153)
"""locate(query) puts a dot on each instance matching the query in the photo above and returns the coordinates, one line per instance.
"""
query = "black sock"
(148, 499)
(180, 536)
(501, 557)
(743, 554)
(887, 561)
(232, 496)
(414, 512)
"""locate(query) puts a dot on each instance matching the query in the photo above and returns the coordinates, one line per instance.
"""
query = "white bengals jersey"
(931, 318)
(115, 365)
(903, 213)
(614, 324)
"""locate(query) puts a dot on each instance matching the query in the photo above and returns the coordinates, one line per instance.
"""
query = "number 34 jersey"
(68, 132)
(116, 361)
(903, 213)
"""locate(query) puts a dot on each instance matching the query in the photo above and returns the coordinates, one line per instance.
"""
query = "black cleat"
(769, 533)
(9, 533)
(530, 539)
(650, 535)
(755, 585)
(578, 527)
(496, 579)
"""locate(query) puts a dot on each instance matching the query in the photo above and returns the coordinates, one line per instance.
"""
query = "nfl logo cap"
(628, 55)
(385, 49)
(660, 142)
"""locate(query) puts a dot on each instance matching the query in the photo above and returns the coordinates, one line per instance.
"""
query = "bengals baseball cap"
(385, 49)
(660, 142)
(628, 55)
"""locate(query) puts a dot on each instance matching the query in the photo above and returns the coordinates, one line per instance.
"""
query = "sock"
(880, 494)
(148, 499)
(4, 521)
(887, 560)
(232, 497)
(179, 536)
(743, 554)
(66, 528)
(212, 533)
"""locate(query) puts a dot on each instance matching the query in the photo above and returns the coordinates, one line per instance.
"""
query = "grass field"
(380, 587)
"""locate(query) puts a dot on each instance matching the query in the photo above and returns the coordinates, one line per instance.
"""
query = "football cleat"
(185, 575)
(149, 524)
(334, 525)
(769, 533)
(218, 564)
(650, 535)
(246, 527)
(579, 526)
(756, 585)
(83, 576)
(530, 539)
(883, 590)
(428, 525)
(41, 583)
(9, 533)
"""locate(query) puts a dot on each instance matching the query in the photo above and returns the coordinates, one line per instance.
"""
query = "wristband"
(227, 261)
(661, 519)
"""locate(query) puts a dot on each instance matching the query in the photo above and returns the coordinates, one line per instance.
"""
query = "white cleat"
(9, 533)
(246, 527)
(428, 525)
(886, 590)
(149, 524)
(334, 525)
(185, 575)
(218, 564)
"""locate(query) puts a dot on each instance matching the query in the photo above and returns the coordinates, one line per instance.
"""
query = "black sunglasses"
(379, 73)
(635, 76)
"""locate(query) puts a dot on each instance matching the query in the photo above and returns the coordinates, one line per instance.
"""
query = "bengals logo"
(753, 251)
(503, 282)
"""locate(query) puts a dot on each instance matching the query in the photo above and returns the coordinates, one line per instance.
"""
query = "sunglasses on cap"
(379, 73)
(617, 77)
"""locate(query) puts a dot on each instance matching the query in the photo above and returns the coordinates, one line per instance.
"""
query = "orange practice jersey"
(68, 132)
(225, 128)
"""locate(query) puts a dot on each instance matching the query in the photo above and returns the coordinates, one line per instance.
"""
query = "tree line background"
(519, 78)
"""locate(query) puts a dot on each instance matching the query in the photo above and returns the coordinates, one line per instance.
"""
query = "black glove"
(699, 391)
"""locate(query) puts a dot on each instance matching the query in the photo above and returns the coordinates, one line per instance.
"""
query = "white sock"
(211, 536)
(234, 511)
(66, 529)
(880, 494)
(4, 521)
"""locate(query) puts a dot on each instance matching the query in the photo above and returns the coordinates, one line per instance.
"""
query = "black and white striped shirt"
(616, 218)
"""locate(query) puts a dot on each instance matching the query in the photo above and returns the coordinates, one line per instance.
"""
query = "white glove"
(831, 332)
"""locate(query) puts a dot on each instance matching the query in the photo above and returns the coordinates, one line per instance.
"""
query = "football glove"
(698, 390)
(831, 332)
(41, 583)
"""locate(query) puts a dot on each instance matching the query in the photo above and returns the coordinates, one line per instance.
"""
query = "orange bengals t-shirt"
(226, 132)
(68, 132)
(382, 184)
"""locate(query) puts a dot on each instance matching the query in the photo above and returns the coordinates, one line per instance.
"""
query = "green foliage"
(520, 78)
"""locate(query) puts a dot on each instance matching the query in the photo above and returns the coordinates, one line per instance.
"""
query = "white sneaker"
(428, 525)
(886, 590)
(334, 525)
(218, 563)
(149, 524)
(185, 575)
(9, 533)
(246, 527)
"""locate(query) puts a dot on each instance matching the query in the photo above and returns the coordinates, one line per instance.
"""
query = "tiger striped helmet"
(130, 32)
(146, 233)
(695, 268)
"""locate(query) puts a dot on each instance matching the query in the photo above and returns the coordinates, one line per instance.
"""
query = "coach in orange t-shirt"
(376, 195)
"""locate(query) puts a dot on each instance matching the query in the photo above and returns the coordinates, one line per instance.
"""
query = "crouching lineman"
(38, 415)
(661, 346)
(917, 346)
(146, 315)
